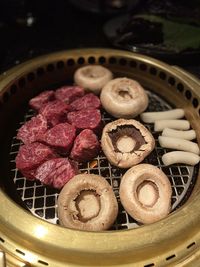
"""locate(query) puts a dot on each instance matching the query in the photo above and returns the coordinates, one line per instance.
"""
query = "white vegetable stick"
(178, 144)
(187, 135)
(162, 115)
(173, 124)
(180, 157)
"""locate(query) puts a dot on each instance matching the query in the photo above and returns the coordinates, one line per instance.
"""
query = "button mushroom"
(145, 193)
(126, 142)
(92, 77)
(87, 202)
(124, 98)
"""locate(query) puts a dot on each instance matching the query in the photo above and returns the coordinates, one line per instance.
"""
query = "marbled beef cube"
(37, 102)
(86, 146)
(86, 119)
(69, 93)
(57, 172)
(55, 112)
(60, 137)
(88, 101)
(33, 130)
(31, 156)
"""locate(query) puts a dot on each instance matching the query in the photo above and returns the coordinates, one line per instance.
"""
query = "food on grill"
(56, 172)
(33, 130)
(37, 102)
(173, 124)
(60, 137)
(150, 117)
(124, 98)
(87, 101)
(87, 202)
(69, 93)
(187, 135)
(31, 156)
(86, 146)
(178, 144)
(92, 77)
(145, 193)
(55, 112)
(85, 119)
(183, 157)
(126, 142)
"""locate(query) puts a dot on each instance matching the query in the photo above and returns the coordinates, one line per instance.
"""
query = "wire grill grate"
(42, 200)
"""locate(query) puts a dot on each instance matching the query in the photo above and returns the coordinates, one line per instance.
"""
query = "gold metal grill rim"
(169, 242)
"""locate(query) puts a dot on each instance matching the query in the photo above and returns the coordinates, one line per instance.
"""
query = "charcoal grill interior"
(42, 200)
(167, 88)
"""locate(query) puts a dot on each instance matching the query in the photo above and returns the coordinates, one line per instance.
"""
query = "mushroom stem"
(87, 198)
(147, 193)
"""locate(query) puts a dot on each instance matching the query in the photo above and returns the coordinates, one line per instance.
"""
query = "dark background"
(31, 28)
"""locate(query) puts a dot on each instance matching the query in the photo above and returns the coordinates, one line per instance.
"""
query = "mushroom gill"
(87, 202)
(126, 142)
(145, 193)
(124, 98)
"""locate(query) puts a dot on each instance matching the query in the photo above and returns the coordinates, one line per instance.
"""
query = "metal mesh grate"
(42, 200)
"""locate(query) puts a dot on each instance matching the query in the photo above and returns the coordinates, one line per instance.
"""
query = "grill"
(41, 200)
(28, 221)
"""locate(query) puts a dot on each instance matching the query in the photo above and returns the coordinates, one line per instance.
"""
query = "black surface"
(30, 28)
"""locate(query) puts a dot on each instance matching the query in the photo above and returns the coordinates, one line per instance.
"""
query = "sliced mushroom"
(87, 202)
(124, 98)
(92, 77)
(126, 142)
(145, 193)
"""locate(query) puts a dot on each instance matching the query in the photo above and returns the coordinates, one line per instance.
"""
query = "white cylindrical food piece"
(187, 135)
(178, 144)
(173, 124)
(180, 157)
(150, 117)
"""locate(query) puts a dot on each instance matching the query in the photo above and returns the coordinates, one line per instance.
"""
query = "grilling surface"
(41, 200)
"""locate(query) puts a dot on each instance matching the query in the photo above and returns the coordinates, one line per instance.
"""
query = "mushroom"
(92, 77)
(145, 193)
(87, 202)
(124, 98)
(126, 142)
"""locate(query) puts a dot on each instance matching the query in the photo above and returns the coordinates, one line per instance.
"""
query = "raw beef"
(55, 112)
(87, 101)
(85, 119)
(41, 99)
(60, 137)
(86, 146)
(33, 130)
(31, 156)
(57, 172)
(69, 93)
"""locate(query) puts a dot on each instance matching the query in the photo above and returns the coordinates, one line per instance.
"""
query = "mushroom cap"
(87, 202)
(92, 77)
(145, 193)
(127, 158)
(124, 98)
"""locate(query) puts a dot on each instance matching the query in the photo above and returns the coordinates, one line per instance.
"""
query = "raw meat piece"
(86, 146)
(57, 172)
(87, 101)
(85, 119)
(55, 112)
(69, 93)
(60, 137)
(41, 99)
(33, 130)
(32, 155)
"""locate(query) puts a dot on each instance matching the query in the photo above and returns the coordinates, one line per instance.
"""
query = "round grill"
(30, 233)
(42, 200)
